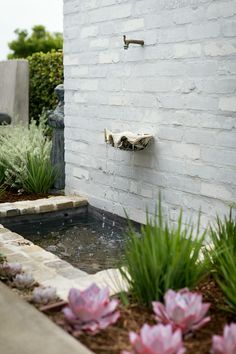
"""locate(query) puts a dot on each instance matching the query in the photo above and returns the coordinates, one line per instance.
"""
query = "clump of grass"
(163, 257)
(224, 234)
(2, 190)
(40, 175)
(2, 175)
(223, 257)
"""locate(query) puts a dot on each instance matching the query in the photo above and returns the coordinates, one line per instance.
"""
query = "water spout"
(127, 140)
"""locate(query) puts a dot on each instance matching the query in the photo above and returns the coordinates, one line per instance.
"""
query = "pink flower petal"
(182, 309)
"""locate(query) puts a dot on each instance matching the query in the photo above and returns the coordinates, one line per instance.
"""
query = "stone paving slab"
(44, 205)
(24, 330)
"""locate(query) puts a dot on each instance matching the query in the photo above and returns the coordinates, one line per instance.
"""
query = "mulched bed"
(116, 338)
(11, 195)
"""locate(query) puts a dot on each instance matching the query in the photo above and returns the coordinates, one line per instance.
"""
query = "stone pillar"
(56, 121)
(14, 90)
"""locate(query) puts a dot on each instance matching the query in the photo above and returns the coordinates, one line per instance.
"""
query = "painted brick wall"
(181, 87)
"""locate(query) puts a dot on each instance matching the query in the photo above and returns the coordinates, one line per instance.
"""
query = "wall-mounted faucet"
(127, 42)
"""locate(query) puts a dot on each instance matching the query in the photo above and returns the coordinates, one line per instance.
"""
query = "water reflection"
(91, 246)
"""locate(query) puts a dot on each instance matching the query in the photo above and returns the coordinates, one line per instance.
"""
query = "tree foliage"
(39, 40)
(46, 72)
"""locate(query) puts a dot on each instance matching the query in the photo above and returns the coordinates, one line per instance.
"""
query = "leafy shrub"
(223, 257)
(163, 257)
(40, 175)
(46, 72)
(17, 144)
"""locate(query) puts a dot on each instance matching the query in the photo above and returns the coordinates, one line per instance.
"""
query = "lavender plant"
(17, 142)
(90, 310)
(157, 339)
(183, 309)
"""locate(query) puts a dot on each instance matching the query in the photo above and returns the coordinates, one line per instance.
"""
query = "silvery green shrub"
(17, 143)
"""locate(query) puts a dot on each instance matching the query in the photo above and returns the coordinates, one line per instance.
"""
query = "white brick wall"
(181, 86)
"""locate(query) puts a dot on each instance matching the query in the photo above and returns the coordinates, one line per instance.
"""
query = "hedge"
(46, 72)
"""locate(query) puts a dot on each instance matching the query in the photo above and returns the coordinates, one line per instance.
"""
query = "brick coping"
(49, 270)
(44, 205)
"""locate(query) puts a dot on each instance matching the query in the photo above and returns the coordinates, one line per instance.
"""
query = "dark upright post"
(56, 121)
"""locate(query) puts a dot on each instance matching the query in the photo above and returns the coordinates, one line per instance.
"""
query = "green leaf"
(162, 256)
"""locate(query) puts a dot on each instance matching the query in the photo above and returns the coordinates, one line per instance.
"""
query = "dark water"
(89, 244)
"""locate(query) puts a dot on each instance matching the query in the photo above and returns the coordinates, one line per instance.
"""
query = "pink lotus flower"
(157, 339)
(182, 309)
(90, 310)
(10, 269)
(225, 344)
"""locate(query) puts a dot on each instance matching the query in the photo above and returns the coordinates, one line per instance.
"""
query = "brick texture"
(181, 87)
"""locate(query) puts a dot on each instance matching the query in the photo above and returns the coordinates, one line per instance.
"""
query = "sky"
(24, 14)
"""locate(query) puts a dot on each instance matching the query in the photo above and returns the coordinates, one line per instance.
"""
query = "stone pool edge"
(47, 268)
(43, 205)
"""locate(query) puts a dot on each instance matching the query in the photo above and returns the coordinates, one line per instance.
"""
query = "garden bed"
(10, 195)
(160, 263)
(115, 338)
(133, 317)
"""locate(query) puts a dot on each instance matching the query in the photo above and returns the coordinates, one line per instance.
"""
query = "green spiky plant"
(40, 175)
(163, 257)
(224, 233)
(2, 180)
(223, 257)
(2, 174)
